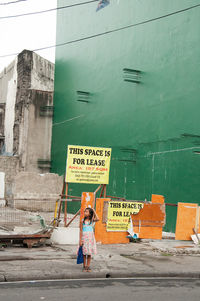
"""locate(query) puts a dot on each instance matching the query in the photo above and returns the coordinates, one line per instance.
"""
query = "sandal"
(88, 269)
(84, 269)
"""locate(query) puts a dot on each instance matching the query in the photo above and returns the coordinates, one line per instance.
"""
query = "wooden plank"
(65, 206)
(104, 193)
(22, 236)
(105, 212)
(73, 218)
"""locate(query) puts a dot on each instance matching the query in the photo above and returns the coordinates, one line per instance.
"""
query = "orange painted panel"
(148, 223)
(157, 199)
(186, 220)
(149, 232)
(87, 199)
(101, 234)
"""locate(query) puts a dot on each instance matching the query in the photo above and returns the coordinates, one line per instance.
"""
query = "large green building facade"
(130, 79)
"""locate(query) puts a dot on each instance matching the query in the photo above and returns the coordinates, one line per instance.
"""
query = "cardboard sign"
(119, 214)
(89, 165)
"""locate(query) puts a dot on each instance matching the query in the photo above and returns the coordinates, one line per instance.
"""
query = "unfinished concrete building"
(26, 110)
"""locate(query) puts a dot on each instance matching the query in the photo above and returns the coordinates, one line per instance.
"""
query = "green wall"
(153, 126)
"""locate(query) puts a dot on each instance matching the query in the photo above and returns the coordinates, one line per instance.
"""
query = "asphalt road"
(103, 289)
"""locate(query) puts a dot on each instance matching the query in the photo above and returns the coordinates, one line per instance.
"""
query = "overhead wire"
(108, 31)
(46, 10)
(12, 2)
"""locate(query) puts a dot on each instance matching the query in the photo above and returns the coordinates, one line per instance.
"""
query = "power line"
(109, 31)
(12, 2)
(47, 10)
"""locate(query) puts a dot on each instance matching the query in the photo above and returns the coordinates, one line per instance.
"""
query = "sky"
(29, 32)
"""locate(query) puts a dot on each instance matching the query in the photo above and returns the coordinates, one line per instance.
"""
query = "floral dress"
(88, 238)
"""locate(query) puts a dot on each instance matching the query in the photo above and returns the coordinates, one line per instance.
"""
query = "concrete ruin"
(36, 192)
(26, 111)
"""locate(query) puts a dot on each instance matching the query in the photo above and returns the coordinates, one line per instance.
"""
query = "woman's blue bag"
(80, 255)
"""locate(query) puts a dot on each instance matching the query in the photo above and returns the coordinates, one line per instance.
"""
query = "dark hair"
(91, 214)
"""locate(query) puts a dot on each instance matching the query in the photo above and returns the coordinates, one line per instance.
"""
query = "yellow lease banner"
(87, 164)
(119, 214)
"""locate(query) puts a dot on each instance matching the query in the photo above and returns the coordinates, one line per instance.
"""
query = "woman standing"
(87, 238)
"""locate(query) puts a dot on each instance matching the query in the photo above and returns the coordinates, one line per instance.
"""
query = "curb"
(156, 275)
(94, 275)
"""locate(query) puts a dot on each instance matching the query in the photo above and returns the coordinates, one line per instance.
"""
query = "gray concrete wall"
(38, 147)
(8, 91)
(36, 192)
(2, 117)
(26, 103)
(33, 125)
(6, 76)
(10, 166)
(42, 74)
(26, 88)
(28, 190)
(22, 100)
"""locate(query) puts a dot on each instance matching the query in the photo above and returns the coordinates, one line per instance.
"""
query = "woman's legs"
(88, 261)
(84, 261)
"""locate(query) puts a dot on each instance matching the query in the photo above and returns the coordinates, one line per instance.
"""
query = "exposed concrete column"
(10, 111)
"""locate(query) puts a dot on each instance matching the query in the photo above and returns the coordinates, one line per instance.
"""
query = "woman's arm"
(81, 232)
(95, 217)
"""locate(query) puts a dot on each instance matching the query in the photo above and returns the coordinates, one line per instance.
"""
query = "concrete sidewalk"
(166, 258)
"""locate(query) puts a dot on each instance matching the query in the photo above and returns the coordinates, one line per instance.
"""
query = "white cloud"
(28, 32)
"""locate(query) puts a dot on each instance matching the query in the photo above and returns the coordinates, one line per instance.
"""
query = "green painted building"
(130, 79)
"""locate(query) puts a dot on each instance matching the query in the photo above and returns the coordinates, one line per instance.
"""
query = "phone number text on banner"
(87, 164)
(119, 214)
